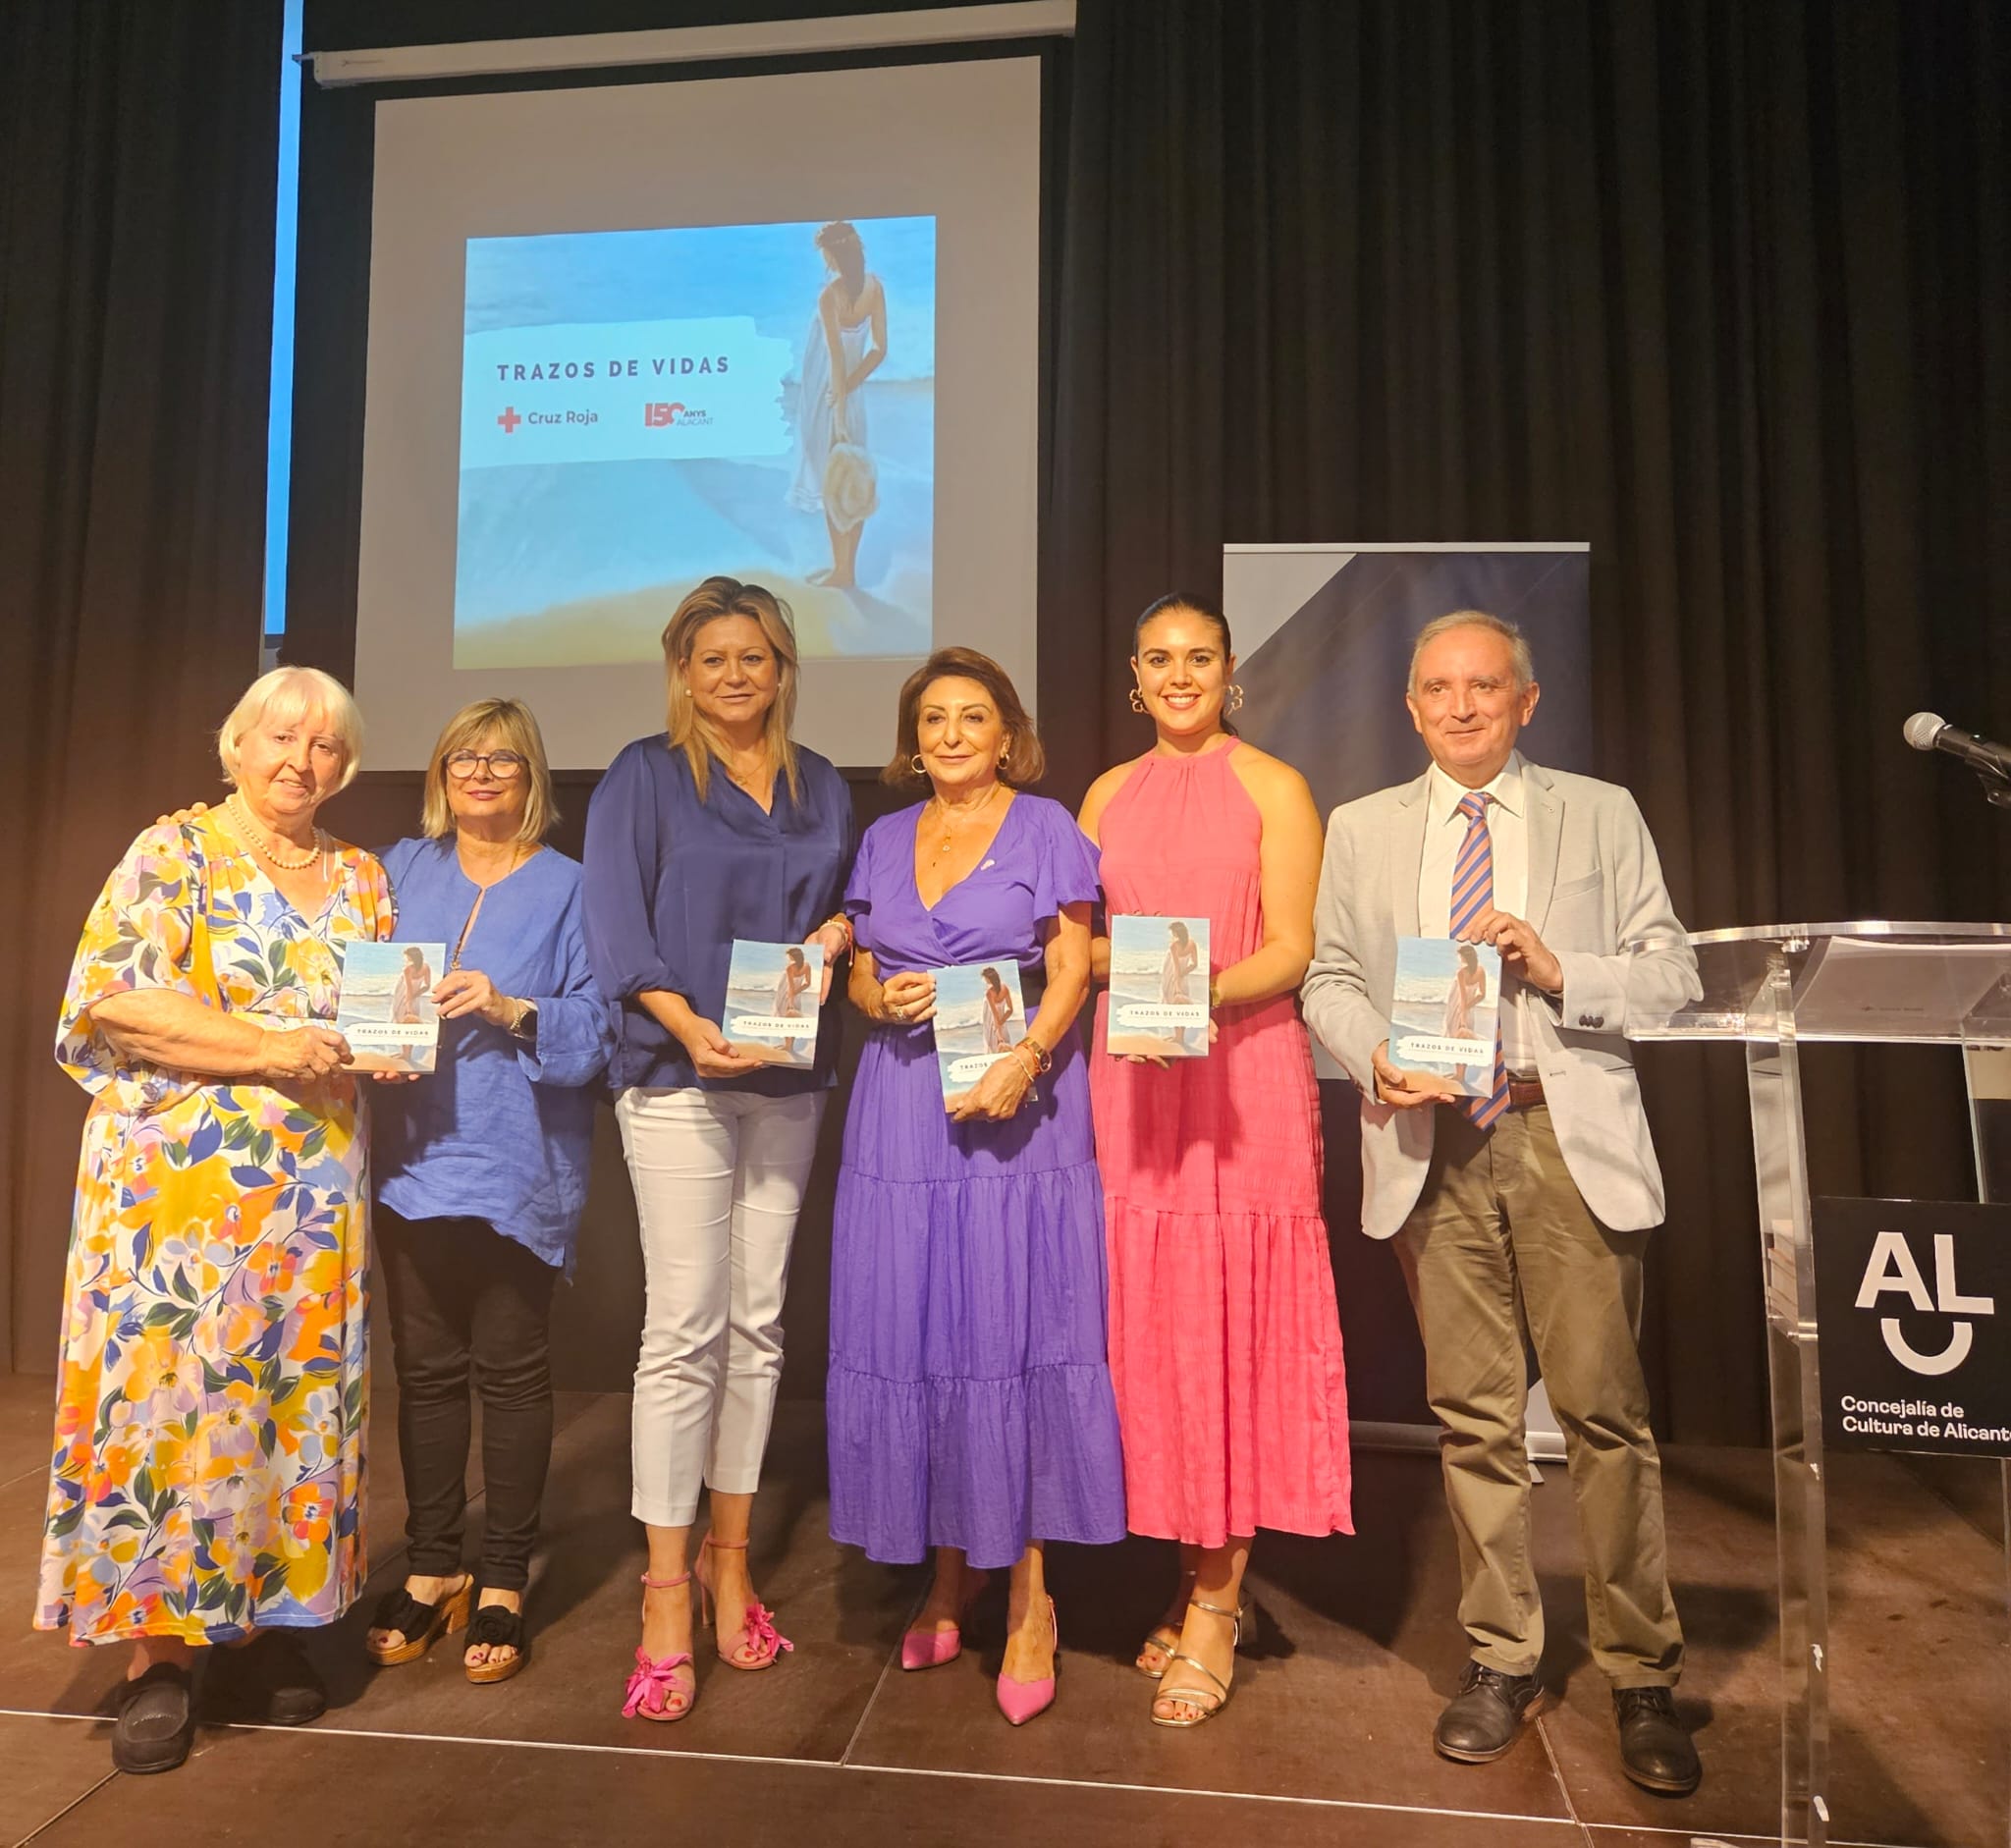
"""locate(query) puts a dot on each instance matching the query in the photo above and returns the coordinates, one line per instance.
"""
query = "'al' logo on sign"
(1893, 1269)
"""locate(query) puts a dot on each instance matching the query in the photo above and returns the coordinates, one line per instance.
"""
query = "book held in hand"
(979, 1018)
(772, 1002)
(386, 1008)
(1445, 1010)
(1159, 987)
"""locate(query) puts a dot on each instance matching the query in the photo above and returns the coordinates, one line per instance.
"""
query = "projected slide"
(644, 409)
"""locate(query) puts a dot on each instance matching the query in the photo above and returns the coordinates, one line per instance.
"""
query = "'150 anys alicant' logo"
(661, 416)
(1893, 1270)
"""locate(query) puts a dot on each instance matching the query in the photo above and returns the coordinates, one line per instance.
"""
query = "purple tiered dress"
(969, 1400)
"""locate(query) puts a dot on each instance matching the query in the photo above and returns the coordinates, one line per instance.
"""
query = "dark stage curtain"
(1719, 288)
(137, 160)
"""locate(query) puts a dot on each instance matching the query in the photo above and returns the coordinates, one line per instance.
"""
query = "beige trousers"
(1500, 1248)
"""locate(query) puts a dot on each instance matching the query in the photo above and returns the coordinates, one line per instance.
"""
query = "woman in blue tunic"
(968, 1406)
(721, 828)
(480, 1172)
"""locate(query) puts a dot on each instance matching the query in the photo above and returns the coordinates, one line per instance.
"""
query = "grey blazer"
(1594, 884)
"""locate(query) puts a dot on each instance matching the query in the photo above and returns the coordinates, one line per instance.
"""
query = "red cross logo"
(509, 420)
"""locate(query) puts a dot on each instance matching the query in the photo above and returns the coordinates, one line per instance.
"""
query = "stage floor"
(1329, 1738)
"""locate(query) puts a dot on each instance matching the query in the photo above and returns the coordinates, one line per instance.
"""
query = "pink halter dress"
(1224, 1339)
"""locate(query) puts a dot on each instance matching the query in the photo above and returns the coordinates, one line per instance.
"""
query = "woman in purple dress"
(969, 1405)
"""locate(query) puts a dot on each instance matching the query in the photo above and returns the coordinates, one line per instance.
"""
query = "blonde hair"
(1518, 643)
(511, 721)
(286, 697)
(690, 732)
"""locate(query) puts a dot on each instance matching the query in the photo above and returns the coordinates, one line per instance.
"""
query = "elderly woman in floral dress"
(207, 1481)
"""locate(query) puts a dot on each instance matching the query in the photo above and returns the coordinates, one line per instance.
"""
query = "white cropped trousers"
(719, 1180)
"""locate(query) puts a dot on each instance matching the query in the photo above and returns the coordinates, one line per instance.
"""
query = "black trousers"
(468, 1304)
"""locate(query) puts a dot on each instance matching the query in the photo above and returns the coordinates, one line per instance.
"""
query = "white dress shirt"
(1508, 827)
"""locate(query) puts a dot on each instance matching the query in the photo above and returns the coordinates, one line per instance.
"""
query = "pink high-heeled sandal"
(1021, 1701)
(652, 1683)
(758, 1635)
(931, 1649)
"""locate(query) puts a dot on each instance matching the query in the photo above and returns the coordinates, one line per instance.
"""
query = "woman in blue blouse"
(481, 1174)
(721, 827)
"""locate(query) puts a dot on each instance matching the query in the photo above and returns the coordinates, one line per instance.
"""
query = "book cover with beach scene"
(980, 1016)
(386, 1008)
(1445, 1010)
(772, 1007)
(644, 407)
(1159, 987)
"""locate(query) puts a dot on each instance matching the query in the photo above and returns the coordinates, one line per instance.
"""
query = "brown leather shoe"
(1488, 1713)
(1654, 1750)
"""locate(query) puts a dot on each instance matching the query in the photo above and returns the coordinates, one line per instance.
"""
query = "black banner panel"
(1916, 1354)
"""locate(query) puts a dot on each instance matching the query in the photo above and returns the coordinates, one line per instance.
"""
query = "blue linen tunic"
(671, 881)
(502, 1131)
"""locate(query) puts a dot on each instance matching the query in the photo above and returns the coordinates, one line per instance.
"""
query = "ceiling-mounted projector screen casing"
(602, 329)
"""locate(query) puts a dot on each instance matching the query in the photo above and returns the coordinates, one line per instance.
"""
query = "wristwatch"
(525, 1025)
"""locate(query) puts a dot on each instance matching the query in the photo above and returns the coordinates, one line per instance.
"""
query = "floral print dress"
(211, 1407)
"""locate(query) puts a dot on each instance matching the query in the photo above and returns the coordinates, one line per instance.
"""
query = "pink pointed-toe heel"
(759, 1637)
(654, 1685)
(931, 1649)
(1020, 1700)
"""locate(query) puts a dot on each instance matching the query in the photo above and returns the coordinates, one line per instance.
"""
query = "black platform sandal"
(420, 1626)
(156, 1722)
(499, 1627)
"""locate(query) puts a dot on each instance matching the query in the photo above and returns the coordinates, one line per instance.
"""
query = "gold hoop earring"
(1137, 700)
(916, 767)
(1234, 702)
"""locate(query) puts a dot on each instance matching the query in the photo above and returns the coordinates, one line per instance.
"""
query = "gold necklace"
(950, 836)
(240, 816)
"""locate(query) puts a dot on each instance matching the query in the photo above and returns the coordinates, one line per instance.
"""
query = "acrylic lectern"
(1773, 988)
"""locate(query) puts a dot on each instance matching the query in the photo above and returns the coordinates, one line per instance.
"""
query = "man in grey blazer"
(1527, 1211)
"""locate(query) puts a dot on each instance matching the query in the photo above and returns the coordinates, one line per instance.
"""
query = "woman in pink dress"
(1224, 1339)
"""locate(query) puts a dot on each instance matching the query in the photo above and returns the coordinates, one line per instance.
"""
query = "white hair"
(1518, 643)
(287, 695)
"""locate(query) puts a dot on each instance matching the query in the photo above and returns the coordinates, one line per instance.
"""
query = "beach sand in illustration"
(576, 564)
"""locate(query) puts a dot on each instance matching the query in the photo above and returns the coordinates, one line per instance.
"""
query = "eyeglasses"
(503, 766)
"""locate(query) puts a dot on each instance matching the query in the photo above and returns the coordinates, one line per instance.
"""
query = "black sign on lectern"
(1915, 1304)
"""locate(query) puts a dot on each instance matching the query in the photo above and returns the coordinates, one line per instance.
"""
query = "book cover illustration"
(1446, 1010)
(772, 1007)
(1159, 987)
(386, 1008)
(980, 1017)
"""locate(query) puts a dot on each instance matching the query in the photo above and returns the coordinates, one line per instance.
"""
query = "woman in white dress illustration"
(1469, 989)
(795, 978)
(998, 1011)
(845, 346)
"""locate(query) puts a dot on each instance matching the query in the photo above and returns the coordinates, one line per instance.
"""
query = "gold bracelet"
(1044, 1060)
(1033, 1074)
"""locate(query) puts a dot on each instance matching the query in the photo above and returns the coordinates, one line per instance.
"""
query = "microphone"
(1930, 731)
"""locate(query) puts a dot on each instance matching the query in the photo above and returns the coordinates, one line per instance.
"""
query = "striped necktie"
(1473, 892)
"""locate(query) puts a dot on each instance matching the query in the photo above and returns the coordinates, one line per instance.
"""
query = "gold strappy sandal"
(1220, 1694)
(1156, 1638)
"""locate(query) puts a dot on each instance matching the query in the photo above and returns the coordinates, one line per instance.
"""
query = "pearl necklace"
(241, 817)
(950, 836)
